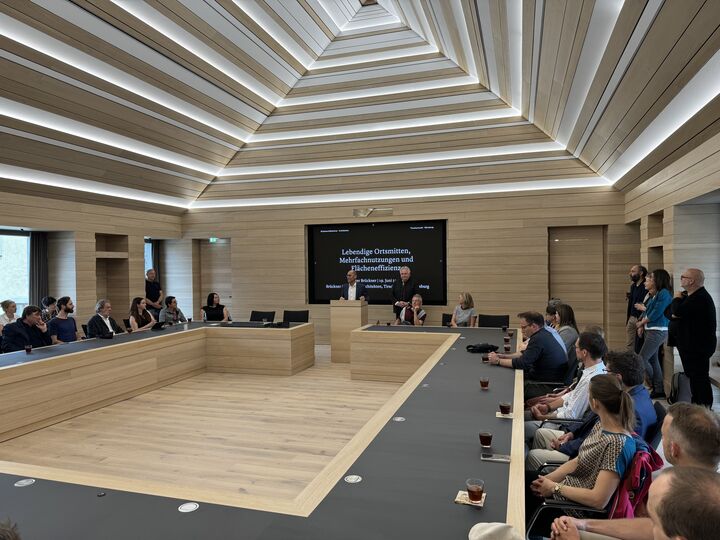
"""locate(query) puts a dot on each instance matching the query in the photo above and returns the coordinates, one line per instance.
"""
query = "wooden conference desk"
(411, 470)
(55, 383)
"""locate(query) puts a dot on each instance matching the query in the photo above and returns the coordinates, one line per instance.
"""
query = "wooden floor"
(248, 438)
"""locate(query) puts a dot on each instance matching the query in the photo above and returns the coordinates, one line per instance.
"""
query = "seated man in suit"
(102, 324)
(544, 359)
(28, 330)
(353, 289)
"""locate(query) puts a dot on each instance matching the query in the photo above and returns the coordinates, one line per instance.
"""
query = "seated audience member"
(544, 359)
(171, 313)
(567, 328)
(690, 438)
(28, 330)
(8, 315)
(140, 318)
(9, 530)
(590, 349)
(464, 313)
(551, 445)
(214, 310)
(551, 311)
(414, 314)
(62, 328)
(49, 308)
(593, 476)
(102, 324)
(683, 504)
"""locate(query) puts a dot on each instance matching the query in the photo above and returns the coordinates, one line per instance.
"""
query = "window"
(15, 264)
(148, 254)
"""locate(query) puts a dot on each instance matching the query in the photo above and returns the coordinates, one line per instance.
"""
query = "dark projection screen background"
(377, 251)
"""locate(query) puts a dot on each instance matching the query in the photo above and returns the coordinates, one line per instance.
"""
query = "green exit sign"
(212, 240)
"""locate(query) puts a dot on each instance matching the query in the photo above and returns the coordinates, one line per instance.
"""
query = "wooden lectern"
(345, 316)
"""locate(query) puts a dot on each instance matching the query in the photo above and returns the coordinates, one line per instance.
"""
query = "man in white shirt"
(353, 289)
(590, 349)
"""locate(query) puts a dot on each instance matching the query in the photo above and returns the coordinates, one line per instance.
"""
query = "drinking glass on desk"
(475, 488)
(28, 349)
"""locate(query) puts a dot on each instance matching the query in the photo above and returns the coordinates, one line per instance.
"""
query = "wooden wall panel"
(177, 259)
(497, 249)
(216, 273)
(61, 264)
(576, 267)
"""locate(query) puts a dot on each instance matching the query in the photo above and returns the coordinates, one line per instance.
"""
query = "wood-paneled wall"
(497, 250)
(216, 271)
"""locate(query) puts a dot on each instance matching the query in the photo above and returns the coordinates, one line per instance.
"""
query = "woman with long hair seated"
(214, 310)
(593, 476)
(140, 317)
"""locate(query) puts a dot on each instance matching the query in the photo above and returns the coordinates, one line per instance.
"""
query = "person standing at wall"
(635, 295)
(695, 323)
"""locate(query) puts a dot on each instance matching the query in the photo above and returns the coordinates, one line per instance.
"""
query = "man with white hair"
(402, 292)
(693, 315)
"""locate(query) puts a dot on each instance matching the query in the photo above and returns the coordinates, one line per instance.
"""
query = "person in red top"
(413, 314)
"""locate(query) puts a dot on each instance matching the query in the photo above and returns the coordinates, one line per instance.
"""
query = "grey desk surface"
(411, 473)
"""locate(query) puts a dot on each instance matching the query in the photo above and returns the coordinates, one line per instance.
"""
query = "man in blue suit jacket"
(353, 290)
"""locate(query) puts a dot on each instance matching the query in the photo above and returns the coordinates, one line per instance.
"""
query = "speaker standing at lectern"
(353, 290)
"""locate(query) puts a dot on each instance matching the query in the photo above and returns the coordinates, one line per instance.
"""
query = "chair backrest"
(653, 436)
(493, 321)
(84, 327)
(300, 316)
(572, 370)
(635, 483)
(126, 322)
(258, 316)
(446, 319)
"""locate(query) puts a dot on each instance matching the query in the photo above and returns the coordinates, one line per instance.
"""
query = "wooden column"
(345, 316)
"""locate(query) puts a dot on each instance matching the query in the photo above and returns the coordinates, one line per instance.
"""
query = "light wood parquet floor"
(215, 435)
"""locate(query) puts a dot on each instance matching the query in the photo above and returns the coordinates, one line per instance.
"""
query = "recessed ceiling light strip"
(475, 96)
(488, 43)
(698, 92)
(183, 38)
(466, 165)
(535, 65)
(125, 103)
(602, 22)
(133, 47)
(636, 39)
(104, 155)
(380, 161)
(49, 120)
(354, 60)
(339, 198)
(376, 92)
(373, 127)
(278, 33)
(515, 37)
(32, 176)
(54, 48)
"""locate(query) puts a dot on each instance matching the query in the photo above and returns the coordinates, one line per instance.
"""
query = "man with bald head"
(693, 317)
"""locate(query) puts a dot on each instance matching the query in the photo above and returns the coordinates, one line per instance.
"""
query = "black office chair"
(84, 327)
(126, 322)
(300, 316)
(493, 321)
(446, 319)
(258, 316)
